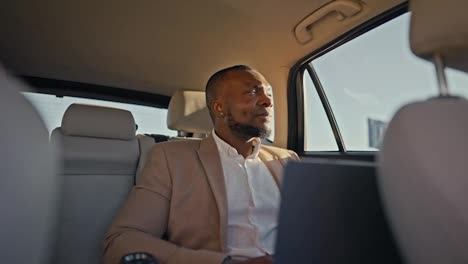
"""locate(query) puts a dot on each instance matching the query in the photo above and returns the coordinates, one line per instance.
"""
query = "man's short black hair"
(214, 80)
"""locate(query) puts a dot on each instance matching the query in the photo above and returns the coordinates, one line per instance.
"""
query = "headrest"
(188, 112)
(440, 26)
(98, 122)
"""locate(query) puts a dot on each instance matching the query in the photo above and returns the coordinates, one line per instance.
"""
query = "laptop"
(331, 213)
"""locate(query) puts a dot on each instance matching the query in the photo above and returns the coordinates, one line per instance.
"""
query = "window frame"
(61, 88)
(296, 123)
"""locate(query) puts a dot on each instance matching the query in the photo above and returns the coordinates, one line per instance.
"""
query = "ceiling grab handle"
(343, 9)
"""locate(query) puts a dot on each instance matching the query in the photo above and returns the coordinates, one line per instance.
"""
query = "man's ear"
(218, 108)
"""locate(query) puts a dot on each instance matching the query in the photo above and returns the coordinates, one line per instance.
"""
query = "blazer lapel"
(274, 165)
(209, 157)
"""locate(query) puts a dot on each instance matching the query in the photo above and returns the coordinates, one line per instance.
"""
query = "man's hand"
(258, 260)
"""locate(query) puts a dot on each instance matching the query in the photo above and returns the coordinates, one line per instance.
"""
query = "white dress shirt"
(252, 202)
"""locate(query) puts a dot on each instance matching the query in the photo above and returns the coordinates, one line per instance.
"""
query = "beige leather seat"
(101, 154)
(424, 158)
(29, 183)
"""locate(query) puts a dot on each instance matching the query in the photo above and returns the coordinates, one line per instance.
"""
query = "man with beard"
(216, 200)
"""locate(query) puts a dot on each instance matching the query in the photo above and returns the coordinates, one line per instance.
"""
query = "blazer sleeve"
(293, 155)
(143, 220)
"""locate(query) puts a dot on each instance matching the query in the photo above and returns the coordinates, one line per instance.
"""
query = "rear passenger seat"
(101, 155)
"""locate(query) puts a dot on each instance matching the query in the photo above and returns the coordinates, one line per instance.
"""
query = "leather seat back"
(424, 183)
(29, 185)
(100, 158)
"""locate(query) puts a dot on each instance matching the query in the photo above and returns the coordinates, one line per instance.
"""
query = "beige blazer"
(181, 193)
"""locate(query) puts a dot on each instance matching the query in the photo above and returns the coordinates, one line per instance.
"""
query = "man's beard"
(246, 131)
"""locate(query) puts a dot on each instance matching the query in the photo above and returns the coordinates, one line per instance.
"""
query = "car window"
(150, 120)
(367, 79)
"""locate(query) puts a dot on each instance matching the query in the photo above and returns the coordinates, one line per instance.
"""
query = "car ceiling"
(151, 46)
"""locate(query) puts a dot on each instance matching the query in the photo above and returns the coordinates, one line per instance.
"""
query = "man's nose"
(265, 100)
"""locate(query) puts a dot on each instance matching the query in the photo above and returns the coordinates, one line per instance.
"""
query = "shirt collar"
(225, 149)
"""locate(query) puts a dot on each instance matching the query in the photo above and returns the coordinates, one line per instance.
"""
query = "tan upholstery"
(440, 26)
(188, 112)
(29, 186)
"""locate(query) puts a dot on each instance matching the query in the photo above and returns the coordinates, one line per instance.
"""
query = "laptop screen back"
(331, 213)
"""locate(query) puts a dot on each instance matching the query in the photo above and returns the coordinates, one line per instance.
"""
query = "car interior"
(371, 94)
